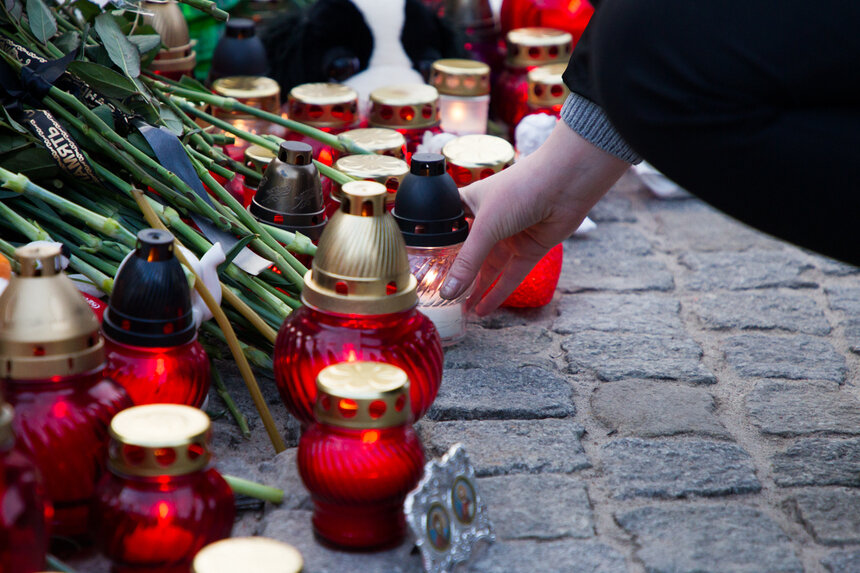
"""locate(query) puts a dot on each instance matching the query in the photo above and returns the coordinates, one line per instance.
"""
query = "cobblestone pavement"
(685, 403)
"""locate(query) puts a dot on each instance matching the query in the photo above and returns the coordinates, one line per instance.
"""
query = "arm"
(524, 211)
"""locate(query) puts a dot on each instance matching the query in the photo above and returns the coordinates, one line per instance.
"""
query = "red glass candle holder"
(150, 333)
(410, 109)
(360, 300)
(51, 363)
(362, 456)
(166, 375)
(161, 502)
(538, 287)
(546, 89)
(527, 49)
(570, 16)
(23, 526)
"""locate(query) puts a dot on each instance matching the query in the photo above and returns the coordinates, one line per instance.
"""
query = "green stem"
(254, 355)
(101, 280)
(222, 392)
(256, 490)
(295, 242)
(22, 225)
(58, 565)
(209, 8)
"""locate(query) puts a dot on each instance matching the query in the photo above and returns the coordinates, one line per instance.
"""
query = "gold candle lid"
(251, 554)
(362, 395)
(39, 340)
(379, 140)
(7, 414)
(406, 106)
(259, 157)
(467, 78)
(256, 91)
(389, 171)
(360, 266)
(538, 46)
(323, 105)
(481, 155)
(159, 440)
(546, 86)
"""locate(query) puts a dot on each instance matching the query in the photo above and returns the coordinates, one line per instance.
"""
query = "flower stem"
(256, 490)
(222, 392)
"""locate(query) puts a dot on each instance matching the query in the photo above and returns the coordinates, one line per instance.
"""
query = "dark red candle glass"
(150, 333)
(411, 109)
(23, 525)
(546, 89)
(161, 502)
(362, 456)
(360, 300)
(51, 363)
(527, 49)
(567, 15)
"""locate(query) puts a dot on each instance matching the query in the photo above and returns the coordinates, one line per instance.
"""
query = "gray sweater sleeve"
(587, 119)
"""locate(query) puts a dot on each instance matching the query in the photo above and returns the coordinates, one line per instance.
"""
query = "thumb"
(465, 268)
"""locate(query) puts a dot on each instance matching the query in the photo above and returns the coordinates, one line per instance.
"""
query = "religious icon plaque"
(446, 514)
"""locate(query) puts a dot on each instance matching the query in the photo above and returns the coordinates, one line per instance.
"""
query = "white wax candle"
(448, 319)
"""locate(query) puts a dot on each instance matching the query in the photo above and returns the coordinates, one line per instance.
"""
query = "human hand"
(524, 211)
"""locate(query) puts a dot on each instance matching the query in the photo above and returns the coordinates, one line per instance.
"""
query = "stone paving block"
(613, 208)
(747, 270)
(562, 556)
(818, 461)
(542, 507)
(514, 346)
(844, 298)
(803, 408)
(761, 310)
(836, 268)
(621, 355)
(502, 394)
(281, 471)
(695, 226)
(499, 447)
(852, 334)
(797, 357)
(842, 562)
(650, 409)
(832, 516)
(643, 313)
(682, 468)
(709, 539)
(294, 527)
(613, 257)
(506, 317)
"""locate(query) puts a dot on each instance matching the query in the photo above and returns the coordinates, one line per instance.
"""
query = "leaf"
(140, 142)
(104, 80)
(6, 194)
(12, 123)
(68, 42)
(121, 51)
(34, 162)
(105, 114)
(171, 121)
(42, 22)
(10, 142)
(146, 42)
(193, 84)
(89, 10)
(234, 251)
(14, 8)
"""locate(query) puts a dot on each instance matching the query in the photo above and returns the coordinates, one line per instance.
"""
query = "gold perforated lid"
(546, 86)
(389, 171)
(159, 440)
(248, 554)
(323, 105)
(538, 46)
(361, 266)
(481, 155)
(46, 327)
(378, 140)
(259, 157)
(256, 91)
(362, 395)
(461, 77)
(406, 106)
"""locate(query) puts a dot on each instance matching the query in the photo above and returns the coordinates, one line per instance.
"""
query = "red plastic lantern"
(568, 15)
(51, 362)
(360, 304)
(150, 333)
(528, 48)
(162, 501)
(23, 527)
(362, 456)
(332, 108)
(411, 109)
(538, 287)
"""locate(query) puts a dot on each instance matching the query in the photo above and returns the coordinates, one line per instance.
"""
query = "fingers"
(511, 277)
(465, 268)
(493, 266)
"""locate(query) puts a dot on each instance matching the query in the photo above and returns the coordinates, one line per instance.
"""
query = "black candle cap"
(428, 207)
(150, 305)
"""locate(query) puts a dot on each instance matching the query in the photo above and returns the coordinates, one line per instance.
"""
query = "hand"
(524, 211)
